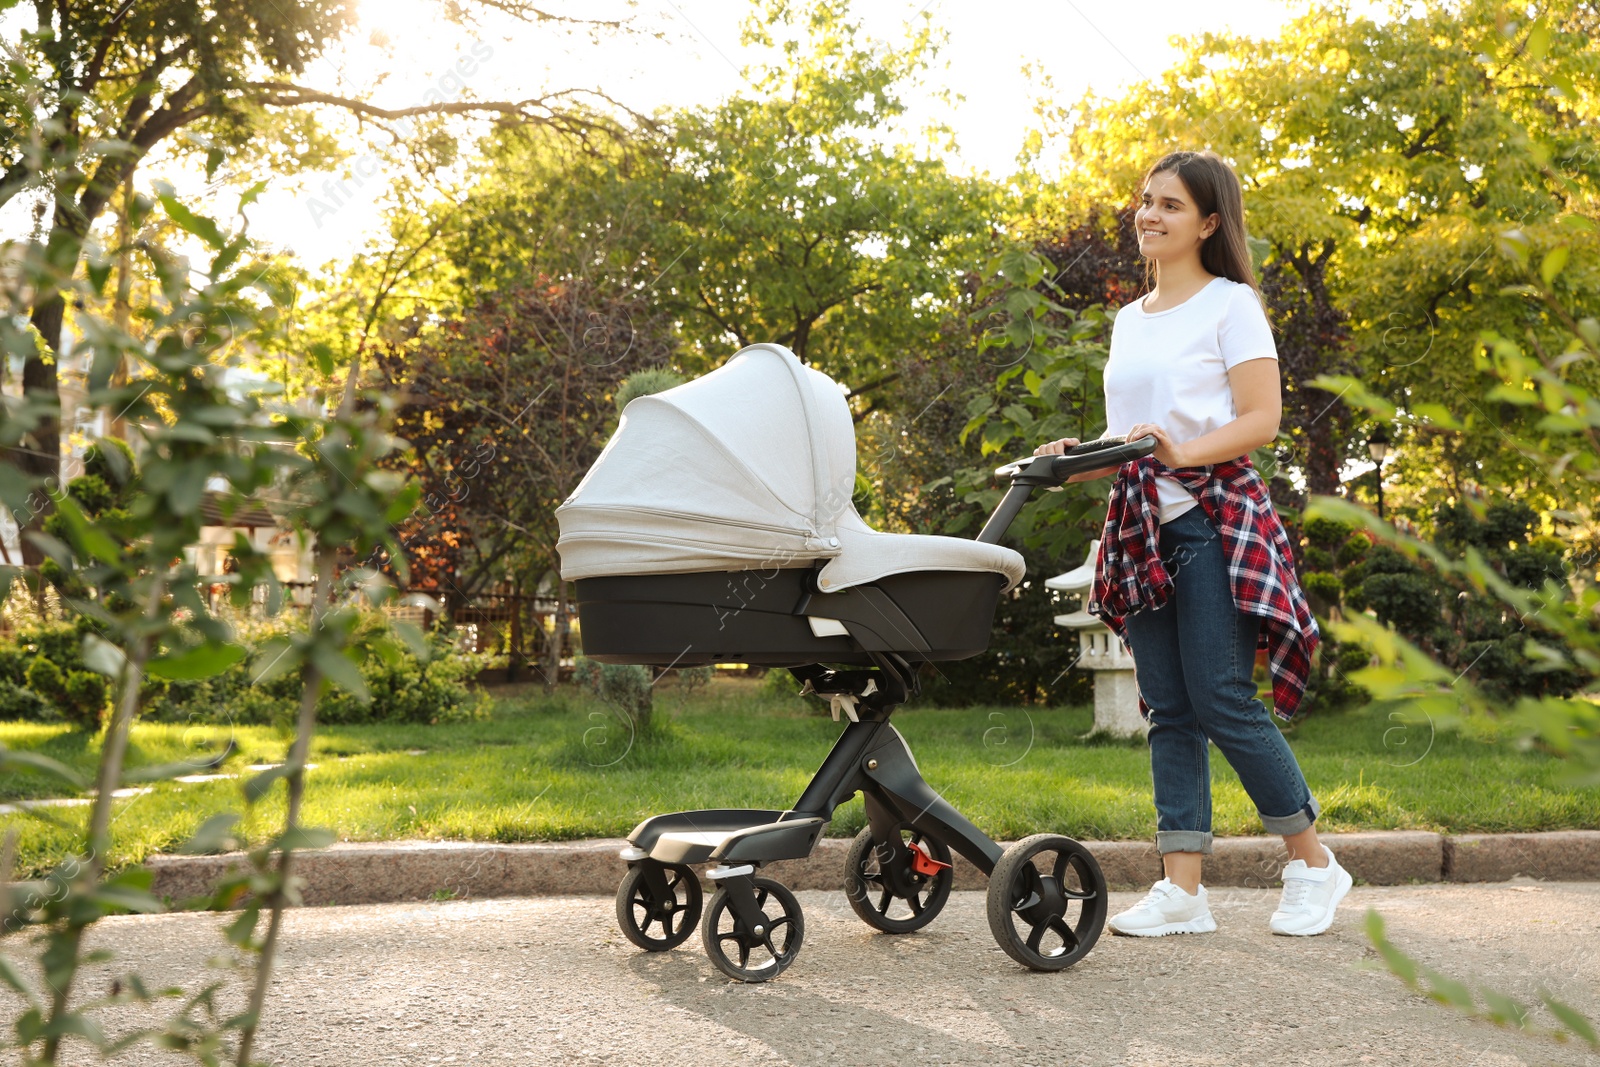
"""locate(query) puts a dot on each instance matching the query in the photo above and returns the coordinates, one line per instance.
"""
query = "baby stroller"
(717, 527)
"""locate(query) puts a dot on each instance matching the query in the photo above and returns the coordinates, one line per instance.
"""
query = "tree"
(1377, 162)
(780, 215)
(97, 85)
(506, 406)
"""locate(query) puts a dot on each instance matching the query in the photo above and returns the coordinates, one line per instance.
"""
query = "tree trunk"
(514, 653)
(1322, 457)
(40, 455)
(558, 641)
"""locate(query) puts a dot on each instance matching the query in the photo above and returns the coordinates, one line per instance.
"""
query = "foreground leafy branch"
(125, 575)
(1500, 1009)
(1568, 449)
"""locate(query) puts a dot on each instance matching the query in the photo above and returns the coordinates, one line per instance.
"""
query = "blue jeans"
(1193, 659)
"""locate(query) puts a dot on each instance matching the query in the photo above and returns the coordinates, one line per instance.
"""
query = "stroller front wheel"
(1047, 902)
(918, 878)
(753, 952)
(660, 895)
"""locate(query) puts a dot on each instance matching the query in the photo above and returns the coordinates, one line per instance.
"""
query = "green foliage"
(1050, 361)
(1354, 549)
(1410, 601)
(1383, 158)
(1323, 587)
(21, 702)
(497, 444)
(83, 699)
(695, 679)
(778, 682)
(1322, 531)
(437, 686)
(780, 214)
(867, 500)
(645, 382)
(43, 675)
(1445, 614)
(111, 459)
(1029, 659)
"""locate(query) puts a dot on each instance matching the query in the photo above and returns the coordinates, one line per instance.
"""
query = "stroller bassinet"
(717, 527)
(720, 504)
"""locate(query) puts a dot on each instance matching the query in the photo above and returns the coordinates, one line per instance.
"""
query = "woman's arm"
(1089, 476)
(1056, 448)
(1258, 399)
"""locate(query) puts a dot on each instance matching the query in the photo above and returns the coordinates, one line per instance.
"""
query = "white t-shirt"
(1171, 368)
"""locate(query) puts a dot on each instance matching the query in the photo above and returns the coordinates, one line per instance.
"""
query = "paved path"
(550, 981)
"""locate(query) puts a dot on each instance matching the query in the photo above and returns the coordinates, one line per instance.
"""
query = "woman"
(1195, 570)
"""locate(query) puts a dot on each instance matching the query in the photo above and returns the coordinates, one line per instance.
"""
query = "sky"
(687, 52)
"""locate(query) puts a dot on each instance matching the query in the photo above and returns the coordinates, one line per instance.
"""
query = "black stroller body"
(684, 552)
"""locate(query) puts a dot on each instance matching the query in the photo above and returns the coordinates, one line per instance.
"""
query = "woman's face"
(1168, 222)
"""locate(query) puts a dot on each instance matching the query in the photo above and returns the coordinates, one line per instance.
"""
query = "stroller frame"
(1046, 887)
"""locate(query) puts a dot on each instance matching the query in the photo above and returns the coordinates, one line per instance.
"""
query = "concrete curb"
(383, 872)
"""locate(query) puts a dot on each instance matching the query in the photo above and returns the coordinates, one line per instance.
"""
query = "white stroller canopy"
(748, 467)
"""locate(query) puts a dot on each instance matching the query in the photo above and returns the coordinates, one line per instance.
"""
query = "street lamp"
(1378, 445)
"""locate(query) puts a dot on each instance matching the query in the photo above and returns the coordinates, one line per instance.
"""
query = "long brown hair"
(1216, 189)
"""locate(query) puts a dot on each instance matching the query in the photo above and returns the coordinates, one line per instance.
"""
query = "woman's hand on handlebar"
(1066, 444)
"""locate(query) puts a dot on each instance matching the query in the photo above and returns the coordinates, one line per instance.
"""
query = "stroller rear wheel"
(907, 884)
(666, 897)
(753, 952)
(1047, 915)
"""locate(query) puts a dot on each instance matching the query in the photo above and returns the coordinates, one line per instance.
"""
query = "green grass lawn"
(546, 769)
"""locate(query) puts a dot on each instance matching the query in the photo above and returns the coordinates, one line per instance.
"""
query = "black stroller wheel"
(1047, 919)
(740, 952)
(875, 889)
(652, 920)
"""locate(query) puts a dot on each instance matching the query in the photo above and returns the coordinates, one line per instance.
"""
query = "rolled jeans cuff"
(1292, 824)
(1183, 841)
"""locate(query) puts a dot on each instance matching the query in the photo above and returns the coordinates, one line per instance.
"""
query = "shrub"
(1409, 601)
(779, 685)
(86, 694)
(46, 679)
(778, 682)
(1354, 549)
(1326, 532)
(14, 662)
(1317, 559)
(693, 679)
(644, 382)
(111, 460)
(403, 688)
(626, 685)
(20, 702)
(1448, 618)
(586, 674)
(80, 696)
(1323, 588)
(38, 666)
(1330, 686)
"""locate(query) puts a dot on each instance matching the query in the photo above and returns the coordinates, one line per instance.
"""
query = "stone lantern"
(1116, 696)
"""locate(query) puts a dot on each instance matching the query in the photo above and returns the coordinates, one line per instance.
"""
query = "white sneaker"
(1310, 895)
(1166, 909)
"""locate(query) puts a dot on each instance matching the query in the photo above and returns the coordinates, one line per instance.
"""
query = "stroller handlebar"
(1051, 471)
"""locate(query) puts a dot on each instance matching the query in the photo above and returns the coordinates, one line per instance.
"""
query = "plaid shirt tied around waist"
(1130, 575)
